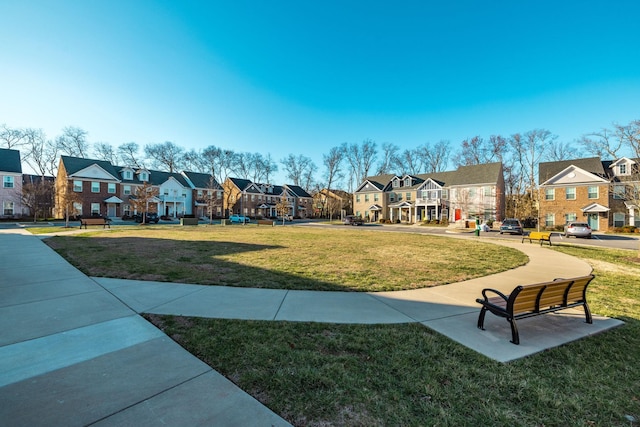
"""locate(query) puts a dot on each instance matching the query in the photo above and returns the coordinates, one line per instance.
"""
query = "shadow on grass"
(184, 261)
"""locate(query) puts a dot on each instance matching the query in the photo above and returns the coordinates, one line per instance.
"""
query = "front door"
(593, 221)
(111, 210)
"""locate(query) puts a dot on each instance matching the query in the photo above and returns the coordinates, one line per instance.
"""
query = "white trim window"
(619, 192)
(570, 217)
(111, 188)
(77, 186)
(549, 193)
(95, 187)
(592, 191)
(8, 207)
(618, 219)
(7, 182)
(550, 220)
(570, 193)
(95, 208)
(126, 190)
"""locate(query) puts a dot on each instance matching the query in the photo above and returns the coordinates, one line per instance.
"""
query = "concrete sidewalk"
(72, 354)
(74, 350)
(451, 310)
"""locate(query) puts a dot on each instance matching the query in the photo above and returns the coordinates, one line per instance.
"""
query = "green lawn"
(406, 375)
(283, 257)
(377, 375)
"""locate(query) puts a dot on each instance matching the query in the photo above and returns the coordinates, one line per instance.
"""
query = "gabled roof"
(159, 178)
(74, 165)
(298, 191)
(10, 161)
(201, 180)
(240, 183)
(593, 165)
(378, 182)
(488, 173)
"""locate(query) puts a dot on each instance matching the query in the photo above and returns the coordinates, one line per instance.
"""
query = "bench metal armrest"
(500, 294)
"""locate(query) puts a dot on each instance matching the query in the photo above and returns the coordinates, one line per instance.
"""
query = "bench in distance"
(94, 221)
(541, 236)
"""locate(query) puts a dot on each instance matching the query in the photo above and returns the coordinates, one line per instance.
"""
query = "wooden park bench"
(541, 236)
(94, 221)
(265, 222)
(536, 299)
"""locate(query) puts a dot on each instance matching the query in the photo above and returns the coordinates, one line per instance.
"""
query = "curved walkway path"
(74, 350)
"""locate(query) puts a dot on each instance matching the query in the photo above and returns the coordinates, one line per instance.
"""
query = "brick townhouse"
(244, 197)
(588, 190)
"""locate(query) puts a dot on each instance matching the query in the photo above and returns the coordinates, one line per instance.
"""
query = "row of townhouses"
(467, 193)
(108, 190)
(589, 190)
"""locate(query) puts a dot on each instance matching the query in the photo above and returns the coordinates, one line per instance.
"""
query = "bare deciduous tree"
(436, 156)
(299, 169)
(129, 154)
(10, 138)
(41, 153)
(390, 159)
(105, 151)
(142, 198)
(166, 156)
(360, 158)
(73, 142)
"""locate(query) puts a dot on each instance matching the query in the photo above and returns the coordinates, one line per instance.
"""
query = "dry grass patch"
(284, 257)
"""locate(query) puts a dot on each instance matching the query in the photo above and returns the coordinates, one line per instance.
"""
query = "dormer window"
(622, 169)
(407, 182)
(396, 183)
(127, 175)
(144, 176)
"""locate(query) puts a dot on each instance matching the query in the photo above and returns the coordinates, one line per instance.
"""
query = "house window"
(487, 191)
(126, 209)
(392, 197)
(357, 198)
(618, 219)
(111, 188)
(77, 207)
(366, 197)
(396, 183)
(622, 169)
(399, 196)
(95, 208)
(7, 182)
(95, 187)
(593, 192)
(550, 194)
(376, 197)
(144, 177)
(570, 193)
(184, 194)
(219, 194)
(550, 220)
(408, 196)
(77, 186)
(127, 190)
(127, 175)
(618, 192)
(7, 207)
(407, 182)
(570, 217)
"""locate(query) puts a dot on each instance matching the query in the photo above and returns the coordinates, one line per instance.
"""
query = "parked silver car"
(577, 229)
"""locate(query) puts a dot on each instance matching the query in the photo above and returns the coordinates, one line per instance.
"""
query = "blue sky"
(299, 77)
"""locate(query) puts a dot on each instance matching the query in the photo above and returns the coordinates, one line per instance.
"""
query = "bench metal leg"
(587, 313)
(515, 337)
(483, 312)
